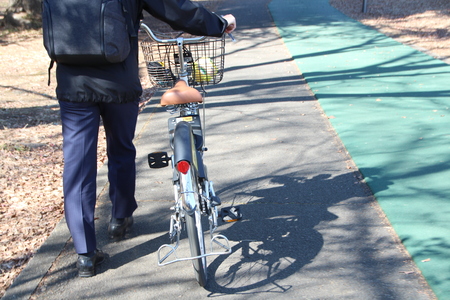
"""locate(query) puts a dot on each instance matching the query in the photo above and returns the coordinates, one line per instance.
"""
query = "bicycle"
(178, 62)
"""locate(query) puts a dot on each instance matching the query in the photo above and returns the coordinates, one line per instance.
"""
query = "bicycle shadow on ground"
(277, 237)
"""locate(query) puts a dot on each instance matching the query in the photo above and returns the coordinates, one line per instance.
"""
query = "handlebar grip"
(232, 38)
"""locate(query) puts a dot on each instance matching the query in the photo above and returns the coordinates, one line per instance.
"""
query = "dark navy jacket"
(118, 83)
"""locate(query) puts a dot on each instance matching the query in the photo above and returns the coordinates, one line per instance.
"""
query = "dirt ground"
(31, 200)
(422, 24)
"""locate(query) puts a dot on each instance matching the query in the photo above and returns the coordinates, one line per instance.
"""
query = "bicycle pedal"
(231, 214)
(158, 160)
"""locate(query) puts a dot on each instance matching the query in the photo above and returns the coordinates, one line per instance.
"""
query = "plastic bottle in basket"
(204, 70)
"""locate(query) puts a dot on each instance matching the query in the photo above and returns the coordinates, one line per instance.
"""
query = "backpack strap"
(52, 62)
(130, 26)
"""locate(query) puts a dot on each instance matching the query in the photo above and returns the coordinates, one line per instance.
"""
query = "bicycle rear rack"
(173, 250)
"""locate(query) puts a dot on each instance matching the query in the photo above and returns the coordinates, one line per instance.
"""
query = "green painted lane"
(390, 105)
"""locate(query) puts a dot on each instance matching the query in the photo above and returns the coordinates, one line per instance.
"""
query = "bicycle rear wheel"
(197, 245)
(187, 164)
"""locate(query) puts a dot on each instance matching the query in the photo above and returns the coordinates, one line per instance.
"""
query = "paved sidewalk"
(311, 227)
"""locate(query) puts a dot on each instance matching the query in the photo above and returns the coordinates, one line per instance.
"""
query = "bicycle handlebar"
(170, 41)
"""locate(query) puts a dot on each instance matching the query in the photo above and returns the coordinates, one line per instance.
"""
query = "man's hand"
(231, 23)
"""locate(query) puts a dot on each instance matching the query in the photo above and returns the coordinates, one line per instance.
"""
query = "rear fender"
(184, 148)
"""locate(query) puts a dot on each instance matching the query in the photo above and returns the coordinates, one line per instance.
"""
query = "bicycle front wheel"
(197, 244)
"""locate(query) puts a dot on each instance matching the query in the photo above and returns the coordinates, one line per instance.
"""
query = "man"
(111, 92)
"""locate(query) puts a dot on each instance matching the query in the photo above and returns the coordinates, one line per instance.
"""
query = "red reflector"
(183, 166)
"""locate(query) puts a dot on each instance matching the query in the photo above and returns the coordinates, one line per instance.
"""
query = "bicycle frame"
(187, 195)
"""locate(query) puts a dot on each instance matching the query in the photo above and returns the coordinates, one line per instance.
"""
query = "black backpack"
(87, 32)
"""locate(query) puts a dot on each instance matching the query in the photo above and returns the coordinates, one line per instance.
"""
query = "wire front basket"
(205, 61)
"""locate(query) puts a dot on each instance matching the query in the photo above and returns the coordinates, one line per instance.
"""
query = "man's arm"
(190, 17)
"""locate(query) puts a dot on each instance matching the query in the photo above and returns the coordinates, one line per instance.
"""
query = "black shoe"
(118, 227)
(86, 263)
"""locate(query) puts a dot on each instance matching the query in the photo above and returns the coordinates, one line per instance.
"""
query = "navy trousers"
(80, 127)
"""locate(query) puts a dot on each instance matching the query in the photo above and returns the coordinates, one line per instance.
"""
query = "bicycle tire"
(197, 244)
